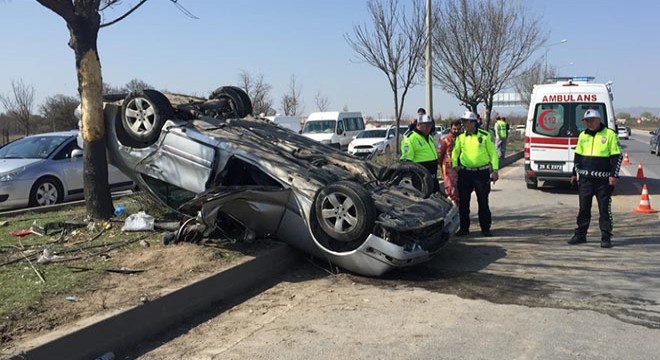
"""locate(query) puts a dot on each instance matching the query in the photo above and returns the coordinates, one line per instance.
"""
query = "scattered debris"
(35, 269)
(139, 222)
(46, 257)
(122, 270)
(70, 298)
(144, 243)
(4, 223)
(119, 210)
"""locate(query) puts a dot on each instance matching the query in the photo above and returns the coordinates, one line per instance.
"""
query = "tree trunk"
(90, 86)
(397, 115)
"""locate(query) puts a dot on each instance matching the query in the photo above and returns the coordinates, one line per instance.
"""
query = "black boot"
(577, 239)
(605, 243)
(463, 232)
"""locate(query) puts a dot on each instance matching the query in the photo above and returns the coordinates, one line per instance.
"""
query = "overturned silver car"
(247, 177)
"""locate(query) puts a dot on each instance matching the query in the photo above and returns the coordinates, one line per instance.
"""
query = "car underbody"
(247, 178)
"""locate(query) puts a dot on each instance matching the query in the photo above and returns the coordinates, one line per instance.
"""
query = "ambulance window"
(549, 119)
(580, 109)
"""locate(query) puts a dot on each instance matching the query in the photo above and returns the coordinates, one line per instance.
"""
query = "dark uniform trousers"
(479, 181)
(432, 167)
(587, 188)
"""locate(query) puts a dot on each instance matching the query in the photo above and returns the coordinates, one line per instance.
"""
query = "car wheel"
(657, 149)
(247, 103)
(238, 102)
(410, 175)
(345, 211)
(143, 114)
(533, 186)
(46, 191)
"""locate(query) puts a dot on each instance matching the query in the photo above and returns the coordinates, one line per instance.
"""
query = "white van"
(333, 128)
(554, 122)
(290, 122)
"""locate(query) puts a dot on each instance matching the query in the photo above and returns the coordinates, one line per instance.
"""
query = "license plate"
(551, 166)
(362, 151)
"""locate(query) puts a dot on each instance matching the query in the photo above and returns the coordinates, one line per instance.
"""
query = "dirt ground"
(166, 268)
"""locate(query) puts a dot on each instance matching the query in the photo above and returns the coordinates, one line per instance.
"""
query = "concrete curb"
(128, 328)
(512, 158)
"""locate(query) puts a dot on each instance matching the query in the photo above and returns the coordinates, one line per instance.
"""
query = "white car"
(368, 141)
(623, 133)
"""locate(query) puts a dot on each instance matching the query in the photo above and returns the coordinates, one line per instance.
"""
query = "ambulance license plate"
(551, 166)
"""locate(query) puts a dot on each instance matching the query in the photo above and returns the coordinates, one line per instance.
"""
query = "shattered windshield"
(319, 127)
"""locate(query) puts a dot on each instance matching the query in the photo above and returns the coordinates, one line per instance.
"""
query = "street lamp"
(545, 55)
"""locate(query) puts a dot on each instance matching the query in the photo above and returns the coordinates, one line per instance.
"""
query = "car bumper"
(14, 194)
(376, 256)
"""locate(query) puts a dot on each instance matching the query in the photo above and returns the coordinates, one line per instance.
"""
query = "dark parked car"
(243, 177)
(654, 143)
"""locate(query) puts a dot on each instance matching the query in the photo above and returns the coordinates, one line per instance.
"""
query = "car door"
(181, 161)
(70, 169)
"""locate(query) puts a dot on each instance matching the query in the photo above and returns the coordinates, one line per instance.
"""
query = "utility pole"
(429, 75)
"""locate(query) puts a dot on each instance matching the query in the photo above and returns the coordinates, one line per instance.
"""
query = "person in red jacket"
(449, 174)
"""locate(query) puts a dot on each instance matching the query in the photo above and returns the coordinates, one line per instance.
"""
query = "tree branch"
(123, 16)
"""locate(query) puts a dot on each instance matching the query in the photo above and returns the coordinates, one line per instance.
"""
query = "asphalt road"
(522, 294)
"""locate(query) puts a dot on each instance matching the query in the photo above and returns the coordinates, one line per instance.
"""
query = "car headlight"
(380, 143)
(11, 175)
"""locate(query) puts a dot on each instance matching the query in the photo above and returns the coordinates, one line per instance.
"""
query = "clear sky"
(611, 39)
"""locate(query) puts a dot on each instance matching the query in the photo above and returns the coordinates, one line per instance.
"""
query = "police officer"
(411, 127)
(501, 135)
(475, 157)
(597, 163)
(418, 146)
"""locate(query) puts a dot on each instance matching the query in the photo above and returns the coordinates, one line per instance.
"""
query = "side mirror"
(300, 131)
(340, 131)
(652, 132)
(76, 154)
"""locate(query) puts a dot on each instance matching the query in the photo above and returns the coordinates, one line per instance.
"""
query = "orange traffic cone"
(626, 160)
(645, 203)
(640, 172)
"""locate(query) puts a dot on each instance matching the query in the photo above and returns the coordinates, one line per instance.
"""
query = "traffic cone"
(645, 203)
(626, 161)
(640, 172)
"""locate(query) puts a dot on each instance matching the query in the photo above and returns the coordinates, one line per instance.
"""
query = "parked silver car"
(244, 177)
(46, 169)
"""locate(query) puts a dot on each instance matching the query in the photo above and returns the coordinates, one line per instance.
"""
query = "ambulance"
(554, 122)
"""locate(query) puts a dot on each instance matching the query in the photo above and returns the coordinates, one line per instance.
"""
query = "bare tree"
(533, 75)
(511, 36)
(19, 104)
(259, 92)
(109, 89)
(321, 101)
(5, 125)
(58, 111)
(291, 102)
(83, 19)
(135, 85)
(480, 47)
(394, 43)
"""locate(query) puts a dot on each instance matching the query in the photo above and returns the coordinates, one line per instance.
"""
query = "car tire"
(657, 148)
(409, 174)
(533, 186)
(247, 103)
(143, 114)
(345, 212)
(46, 191)
(239, 104)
